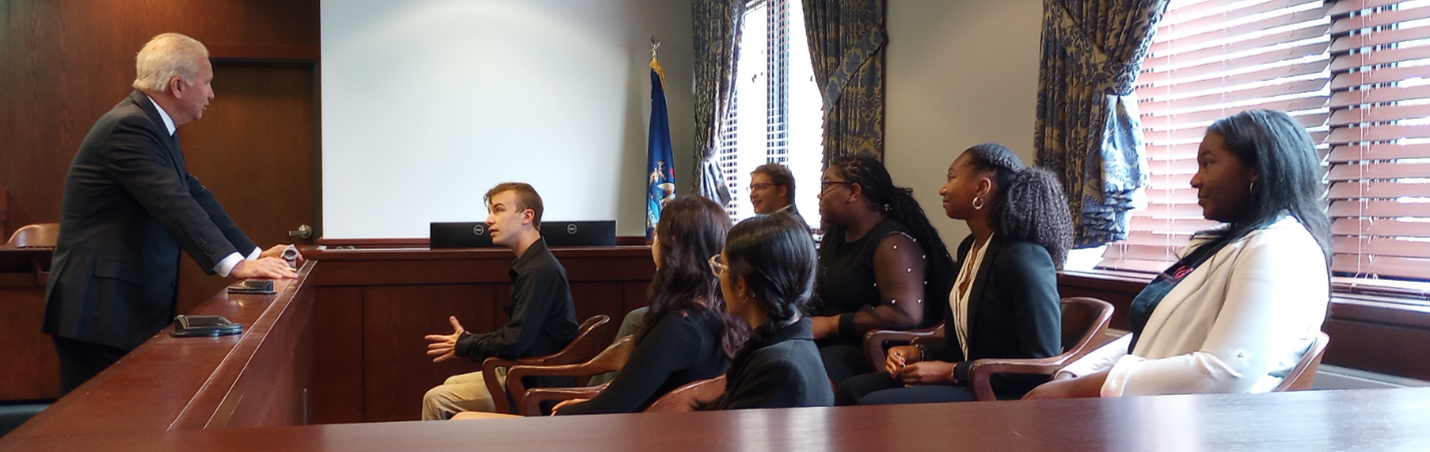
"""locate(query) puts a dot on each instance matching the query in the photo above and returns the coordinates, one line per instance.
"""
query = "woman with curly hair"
(1004, 301)
(882, 265)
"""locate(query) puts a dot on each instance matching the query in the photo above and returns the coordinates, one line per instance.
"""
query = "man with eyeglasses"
(772, 190)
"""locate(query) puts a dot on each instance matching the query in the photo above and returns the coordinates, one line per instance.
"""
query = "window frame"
(1383, 300)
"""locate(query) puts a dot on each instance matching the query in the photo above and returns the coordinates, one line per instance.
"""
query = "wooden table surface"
(1373, 420)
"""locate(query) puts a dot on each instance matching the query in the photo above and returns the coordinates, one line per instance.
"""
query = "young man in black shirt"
(543, 318)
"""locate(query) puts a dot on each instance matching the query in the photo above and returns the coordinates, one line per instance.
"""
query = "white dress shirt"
(962, 286)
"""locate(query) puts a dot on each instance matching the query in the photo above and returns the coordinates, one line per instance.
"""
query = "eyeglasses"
(717, 266)
(824, 184)
(760, 186)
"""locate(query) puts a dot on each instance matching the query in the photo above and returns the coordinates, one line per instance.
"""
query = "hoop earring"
(977, 203)
(1251, 188)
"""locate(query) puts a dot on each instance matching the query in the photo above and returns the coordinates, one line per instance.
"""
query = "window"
(776, 113)
(1210, 59)
(1350, 71)
(1380, 139)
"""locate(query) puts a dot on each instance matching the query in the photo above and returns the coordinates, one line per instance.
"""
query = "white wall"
(555, 92)
(958, 73)
(428, 103)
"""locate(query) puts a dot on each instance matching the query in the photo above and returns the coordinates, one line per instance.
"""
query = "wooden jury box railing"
(189, 394)
(374, 304)
(254, 379)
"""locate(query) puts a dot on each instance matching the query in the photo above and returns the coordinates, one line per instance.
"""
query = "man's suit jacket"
(1013, 312)
(129, 206)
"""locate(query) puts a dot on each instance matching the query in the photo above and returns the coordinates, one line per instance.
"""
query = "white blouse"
(1236, 324)
(958, 298)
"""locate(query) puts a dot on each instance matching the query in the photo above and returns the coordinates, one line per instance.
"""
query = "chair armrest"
(536, 396)
(494, 386)
(980, 371)
(877, 342)
(519, 391)
(612, 359)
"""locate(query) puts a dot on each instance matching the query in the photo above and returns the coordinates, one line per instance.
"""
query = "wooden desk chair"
(684, 398)
(586, 344)
(528, 401)
(35, 235)
(1084, 322)
(1301, 376)
(678, 400)
(878, 342)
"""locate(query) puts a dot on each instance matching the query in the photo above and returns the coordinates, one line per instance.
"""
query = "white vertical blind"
(1210, 59)
(1380, 139)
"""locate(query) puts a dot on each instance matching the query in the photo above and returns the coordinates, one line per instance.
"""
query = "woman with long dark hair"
(767, 275)
(686, 335)
(882, 265)
(1004, 302)
(1247, 299)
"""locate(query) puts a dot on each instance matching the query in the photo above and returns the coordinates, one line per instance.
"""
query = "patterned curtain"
(1087, 130)
(846, 43)
(717, 37)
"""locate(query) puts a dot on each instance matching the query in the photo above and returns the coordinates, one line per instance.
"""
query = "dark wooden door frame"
(317, 125)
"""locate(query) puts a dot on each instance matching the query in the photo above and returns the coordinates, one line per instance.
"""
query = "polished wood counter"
(255, 378)
(29, 368)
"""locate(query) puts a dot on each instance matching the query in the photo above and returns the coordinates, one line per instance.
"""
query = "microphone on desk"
(290, 254)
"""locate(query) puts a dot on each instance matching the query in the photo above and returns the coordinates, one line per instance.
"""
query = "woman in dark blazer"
(1004, 302)
(686, 335)
(767, 277)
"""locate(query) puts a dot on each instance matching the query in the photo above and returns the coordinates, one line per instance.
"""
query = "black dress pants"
(844, 358)
(882, 389)
(80, 361)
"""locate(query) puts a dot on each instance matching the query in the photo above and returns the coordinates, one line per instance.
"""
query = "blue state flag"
(660, 165)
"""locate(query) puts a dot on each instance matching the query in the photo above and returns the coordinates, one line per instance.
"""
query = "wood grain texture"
(145, 402)
(65, 63)
(397, 371)
(255, 150)
(337, 368)
(404, 294)
(172, 383)
(27, 355)
(1291, 421)
(5, 213)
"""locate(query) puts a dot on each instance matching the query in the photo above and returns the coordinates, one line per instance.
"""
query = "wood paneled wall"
(373, 306)
(65, 63)
(4, 212)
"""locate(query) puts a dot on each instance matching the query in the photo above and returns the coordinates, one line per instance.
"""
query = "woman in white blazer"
(1247, 299)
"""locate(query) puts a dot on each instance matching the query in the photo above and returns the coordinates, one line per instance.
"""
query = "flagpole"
(660, 164)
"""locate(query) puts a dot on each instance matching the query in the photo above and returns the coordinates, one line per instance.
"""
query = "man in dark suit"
(129, 206)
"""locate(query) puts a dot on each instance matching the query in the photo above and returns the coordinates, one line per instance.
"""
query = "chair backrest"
(686, 396)
(35, 235)
(612, 359)
(1084, 323)
(586, 344)
(1301, 376)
